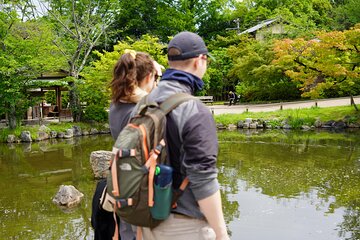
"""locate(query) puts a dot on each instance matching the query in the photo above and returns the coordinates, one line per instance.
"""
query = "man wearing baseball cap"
(192, 147)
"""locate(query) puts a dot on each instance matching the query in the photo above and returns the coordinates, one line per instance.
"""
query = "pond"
(275, 185)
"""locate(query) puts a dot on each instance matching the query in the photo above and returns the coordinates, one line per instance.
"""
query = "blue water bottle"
(162, 192)
(163, 175)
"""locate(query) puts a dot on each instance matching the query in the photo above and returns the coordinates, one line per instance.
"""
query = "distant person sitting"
(54, 113)
(231, 98)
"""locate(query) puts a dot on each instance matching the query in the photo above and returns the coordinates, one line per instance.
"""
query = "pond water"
(275, 185)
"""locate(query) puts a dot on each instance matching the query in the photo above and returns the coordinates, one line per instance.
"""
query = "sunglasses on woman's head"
(157, 77)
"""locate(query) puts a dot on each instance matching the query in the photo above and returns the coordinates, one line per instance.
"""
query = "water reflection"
(275, 185)
(299, 186)
(30, 175)
(265, 217)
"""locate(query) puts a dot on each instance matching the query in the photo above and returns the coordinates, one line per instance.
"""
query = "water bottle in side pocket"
(162, 192)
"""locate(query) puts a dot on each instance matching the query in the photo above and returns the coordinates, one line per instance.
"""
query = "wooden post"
(58, 97)
(352, 102)
(316, 104)
(42, 104)
(281, 106)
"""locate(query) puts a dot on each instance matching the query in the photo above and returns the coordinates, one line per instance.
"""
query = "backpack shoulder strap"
(175, 100)
(167, 106)
(144, 104)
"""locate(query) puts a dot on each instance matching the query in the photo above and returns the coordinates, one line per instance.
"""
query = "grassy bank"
(296, 117)
(58, 127)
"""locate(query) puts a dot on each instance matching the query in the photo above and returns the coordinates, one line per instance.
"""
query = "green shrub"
(17, 132)
(274, 122)
(95, 113)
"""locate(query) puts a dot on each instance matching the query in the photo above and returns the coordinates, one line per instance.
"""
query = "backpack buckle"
(120, 203)
(127, 152)
(159, 147)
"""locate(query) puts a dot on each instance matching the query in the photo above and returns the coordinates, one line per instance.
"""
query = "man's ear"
(196, 63)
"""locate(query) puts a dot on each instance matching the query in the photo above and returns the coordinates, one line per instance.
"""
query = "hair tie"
(131, 52)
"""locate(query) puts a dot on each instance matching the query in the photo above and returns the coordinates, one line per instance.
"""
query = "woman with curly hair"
(135, 74)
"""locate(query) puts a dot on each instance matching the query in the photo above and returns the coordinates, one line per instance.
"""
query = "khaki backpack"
(139, 148)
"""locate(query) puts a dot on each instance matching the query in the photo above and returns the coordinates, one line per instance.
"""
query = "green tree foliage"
(50, 97)
(156, 17)
(257, 78)
(213, 18)
(166, 18)
(79, 25)
(26, 52)
(327, 64)
(216, 80)
(346, 13)
(299, 16)
(97, 77)
(252, 68)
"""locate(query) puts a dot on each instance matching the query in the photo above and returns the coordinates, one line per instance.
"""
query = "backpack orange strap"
(114, 152)
(184, 183)
(179, 192)
(116, 190)
(151, 164)
(145, 148)
(116, 232)
(138, 233)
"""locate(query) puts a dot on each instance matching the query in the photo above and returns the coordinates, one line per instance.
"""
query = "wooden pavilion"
(53, 81)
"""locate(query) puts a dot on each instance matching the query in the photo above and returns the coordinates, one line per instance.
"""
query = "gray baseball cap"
(189, 44)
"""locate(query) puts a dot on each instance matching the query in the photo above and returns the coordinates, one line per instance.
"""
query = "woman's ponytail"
(129, 71)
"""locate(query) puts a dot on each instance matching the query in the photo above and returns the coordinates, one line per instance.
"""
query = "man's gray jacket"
(192, 147)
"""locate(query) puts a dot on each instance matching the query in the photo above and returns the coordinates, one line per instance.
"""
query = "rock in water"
(67, 196)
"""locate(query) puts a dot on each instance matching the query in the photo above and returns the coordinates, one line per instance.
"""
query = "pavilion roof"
(259, 26)
(50, 80)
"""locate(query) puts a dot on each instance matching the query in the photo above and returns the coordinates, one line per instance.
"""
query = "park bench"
(206, 99)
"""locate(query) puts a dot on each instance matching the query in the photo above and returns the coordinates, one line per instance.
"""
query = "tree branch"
(57, 19)
(88, 51)
(304, 65)
(75, 58)
(64, 53)
(353, 68)
(75, 21)
(357, 50)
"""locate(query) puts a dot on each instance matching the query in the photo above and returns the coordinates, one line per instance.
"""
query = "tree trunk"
(12, 117)
(74, 102)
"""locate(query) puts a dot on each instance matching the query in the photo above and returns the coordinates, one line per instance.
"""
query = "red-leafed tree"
(324, 65)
